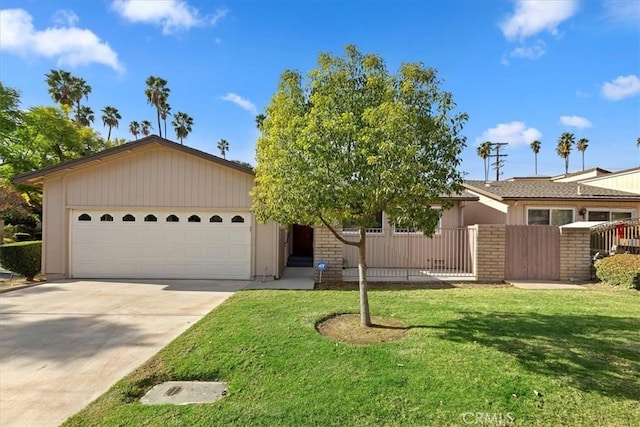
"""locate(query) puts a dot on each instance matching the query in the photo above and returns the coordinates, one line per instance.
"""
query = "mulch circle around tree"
(346, 328)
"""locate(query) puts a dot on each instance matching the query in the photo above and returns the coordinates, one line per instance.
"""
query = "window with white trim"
(377, 229)
(606, 214)
(550, 216)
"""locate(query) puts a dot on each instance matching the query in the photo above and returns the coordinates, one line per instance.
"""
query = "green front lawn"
(541, 358)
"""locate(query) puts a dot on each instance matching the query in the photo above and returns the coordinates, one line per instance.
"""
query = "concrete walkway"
(538, 284)
(63, 344)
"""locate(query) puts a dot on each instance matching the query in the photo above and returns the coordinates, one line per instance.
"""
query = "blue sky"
(522, 70)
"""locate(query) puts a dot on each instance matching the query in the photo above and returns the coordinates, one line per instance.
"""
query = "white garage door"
(160, 245)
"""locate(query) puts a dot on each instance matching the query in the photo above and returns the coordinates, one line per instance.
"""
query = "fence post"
(489, 252)
(575, 253)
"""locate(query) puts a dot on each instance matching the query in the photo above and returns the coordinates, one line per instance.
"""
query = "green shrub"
(620, 270)
(23, 258)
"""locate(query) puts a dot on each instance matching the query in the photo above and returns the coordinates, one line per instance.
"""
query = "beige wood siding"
(151, 176)
(55, 230)
(484, 211)
(159, 177)
(624, 182)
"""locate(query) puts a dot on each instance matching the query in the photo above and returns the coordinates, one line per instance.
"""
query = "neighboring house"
(594, 195)
(153, 209)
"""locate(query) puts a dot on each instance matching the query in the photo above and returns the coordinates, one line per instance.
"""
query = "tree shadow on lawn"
(593, 353)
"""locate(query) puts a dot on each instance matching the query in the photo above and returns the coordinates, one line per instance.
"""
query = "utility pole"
(495, 146)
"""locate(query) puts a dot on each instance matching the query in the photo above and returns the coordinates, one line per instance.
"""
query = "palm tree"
(110, 118)
(134, 128)
(79, 89)
(165, 110)
(484, 150)
(157, 94)
(145, 127)
(223, 146)
(182, 123)
(260, 120)
(84, 116)
(60, 84)
(535, 147)
(565, 143)
(582, 145)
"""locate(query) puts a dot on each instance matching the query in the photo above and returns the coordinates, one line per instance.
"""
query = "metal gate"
(532, 252)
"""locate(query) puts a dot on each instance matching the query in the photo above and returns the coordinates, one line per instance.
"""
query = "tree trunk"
(365, 316)
(159, 126)
(536, 163)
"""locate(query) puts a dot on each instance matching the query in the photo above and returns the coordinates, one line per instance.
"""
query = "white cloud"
(241, 102)
(621, 87)
(528, 52)
(581, 95)
(575, 121)
(515, 133)
(172, 15)
(622, 11)
(66, 18)
(535, 16)
(70, 45)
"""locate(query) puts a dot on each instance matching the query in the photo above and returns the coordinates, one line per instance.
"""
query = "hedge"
(23, 258)
(621, 270)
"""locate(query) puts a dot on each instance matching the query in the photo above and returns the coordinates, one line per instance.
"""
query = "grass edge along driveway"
(500, 356)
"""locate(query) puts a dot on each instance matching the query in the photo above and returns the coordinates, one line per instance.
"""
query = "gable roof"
(35, 178)
(548, 190)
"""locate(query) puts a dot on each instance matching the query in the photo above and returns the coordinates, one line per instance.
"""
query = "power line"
(499, 162)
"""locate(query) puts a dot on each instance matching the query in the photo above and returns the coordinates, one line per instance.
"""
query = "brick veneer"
(575, 253)
(328, 249)
(489, 252)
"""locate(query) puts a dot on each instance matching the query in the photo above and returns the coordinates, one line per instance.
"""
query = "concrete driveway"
(63, 344)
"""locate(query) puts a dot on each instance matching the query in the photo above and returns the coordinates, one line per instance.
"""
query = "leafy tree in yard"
(582, 145)
(484, 151)
(356, 140)
(182, 124)
(111, 118)
(223, 146)
(14, 209)
(565, 143)
(535, 147)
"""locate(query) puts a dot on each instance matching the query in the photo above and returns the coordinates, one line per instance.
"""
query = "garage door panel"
(120, 249)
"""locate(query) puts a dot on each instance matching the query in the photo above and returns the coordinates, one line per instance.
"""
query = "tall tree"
(61, 86)
(582, 145)
(165, 111)
(80, 89)
(110, 118)
(223, 146)
(535, 147)
(354, 141)
(484, 151)
(157, 94)
(565, 144)
(259, 120)
(145, 127)
(134, 129)
(84, 116)
(182, 124)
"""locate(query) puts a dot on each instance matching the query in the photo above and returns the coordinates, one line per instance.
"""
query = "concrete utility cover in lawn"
(185, 392)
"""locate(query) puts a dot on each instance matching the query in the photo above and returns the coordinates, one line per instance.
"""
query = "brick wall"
(328, 249)
(575, 253)
(489, 252)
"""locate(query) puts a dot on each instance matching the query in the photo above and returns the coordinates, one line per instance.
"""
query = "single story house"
(153, 208)
(594, 195)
